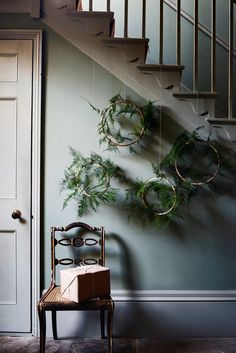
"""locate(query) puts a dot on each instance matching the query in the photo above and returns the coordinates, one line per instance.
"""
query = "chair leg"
(54, 324)
(102, 323)
(42, 323)
(109, 329)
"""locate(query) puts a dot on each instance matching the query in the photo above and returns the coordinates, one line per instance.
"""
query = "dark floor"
(137, 345)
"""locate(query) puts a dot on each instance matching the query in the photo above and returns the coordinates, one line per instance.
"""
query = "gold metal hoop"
(211, 177)
(109, 136)
(169, 184)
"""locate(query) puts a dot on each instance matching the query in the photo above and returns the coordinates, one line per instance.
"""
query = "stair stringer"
(114, 59)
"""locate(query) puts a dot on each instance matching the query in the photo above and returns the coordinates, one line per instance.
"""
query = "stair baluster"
(126, 19)
(231, 56)
(213, 45)
(161, 32)
(144, 19)
(195, 48)
(178, 32)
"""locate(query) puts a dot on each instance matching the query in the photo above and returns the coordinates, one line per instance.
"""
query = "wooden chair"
(88, 245)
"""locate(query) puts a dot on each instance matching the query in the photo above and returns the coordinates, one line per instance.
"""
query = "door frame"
(36, 37)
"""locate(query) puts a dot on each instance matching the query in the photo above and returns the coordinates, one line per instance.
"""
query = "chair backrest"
(86, 244)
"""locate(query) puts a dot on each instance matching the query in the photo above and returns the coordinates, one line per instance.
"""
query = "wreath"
(155, 200)
(195, 162)
(88, 181)
(123, 123)
(158, 194)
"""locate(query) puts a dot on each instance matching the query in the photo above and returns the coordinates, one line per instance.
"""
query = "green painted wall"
(198, 253)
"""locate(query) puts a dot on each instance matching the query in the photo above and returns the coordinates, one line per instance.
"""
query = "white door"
(15, 184)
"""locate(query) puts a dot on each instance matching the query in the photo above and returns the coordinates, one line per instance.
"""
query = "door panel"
(8, 119)
(15, 184)
(8, 278)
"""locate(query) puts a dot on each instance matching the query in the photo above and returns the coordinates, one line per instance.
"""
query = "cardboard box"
(85, 282)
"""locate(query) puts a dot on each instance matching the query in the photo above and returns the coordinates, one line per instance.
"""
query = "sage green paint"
(197, 253)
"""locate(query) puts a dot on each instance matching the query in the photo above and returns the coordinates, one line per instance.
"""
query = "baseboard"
(158, 314)
(174, 295)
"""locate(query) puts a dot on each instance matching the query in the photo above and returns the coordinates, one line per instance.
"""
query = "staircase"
(93, 32)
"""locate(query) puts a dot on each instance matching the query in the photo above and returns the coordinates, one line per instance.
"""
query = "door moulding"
(36, 37)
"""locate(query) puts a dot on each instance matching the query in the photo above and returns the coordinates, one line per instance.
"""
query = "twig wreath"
(88, 181)
(123, 123)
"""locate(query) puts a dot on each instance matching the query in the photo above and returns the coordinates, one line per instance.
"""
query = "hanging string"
(160, 137)
(93, 83)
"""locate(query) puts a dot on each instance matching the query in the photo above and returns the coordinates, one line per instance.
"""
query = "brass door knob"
(16, 214)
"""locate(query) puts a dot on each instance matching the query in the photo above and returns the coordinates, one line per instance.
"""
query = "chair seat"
(53, 300)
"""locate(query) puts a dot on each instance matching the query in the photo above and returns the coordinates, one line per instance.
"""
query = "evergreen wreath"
(162, 206)
(191, 173)
(88, 181)
(122, 115)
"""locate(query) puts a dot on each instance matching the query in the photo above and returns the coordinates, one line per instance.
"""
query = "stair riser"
(135, 53)
(166, 80)
(94, 26)
(59, 4)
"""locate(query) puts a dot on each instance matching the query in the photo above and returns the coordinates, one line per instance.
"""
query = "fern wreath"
(122, 114)
(163, 191)
(197, 162)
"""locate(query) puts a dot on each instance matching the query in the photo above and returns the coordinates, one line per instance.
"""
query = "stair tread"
(162, 67)
(228, 121)
(122, 40)
(92, 14)
(195, 95)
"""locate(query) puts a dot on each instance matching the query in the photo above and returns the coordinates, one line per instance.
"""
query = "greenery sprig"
(123, 114)
(88, 181)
